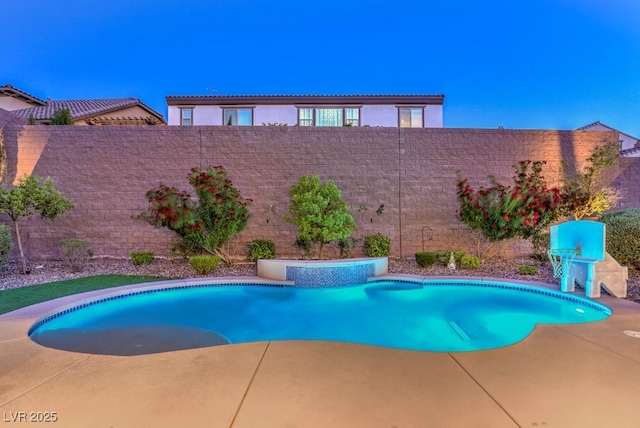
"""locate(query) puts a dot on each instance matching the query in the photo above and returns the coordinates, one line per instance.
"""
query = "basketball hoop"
(560, 259)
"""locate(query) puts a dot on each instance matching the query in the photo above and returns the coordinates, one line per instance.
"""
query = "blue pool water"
(424, 316)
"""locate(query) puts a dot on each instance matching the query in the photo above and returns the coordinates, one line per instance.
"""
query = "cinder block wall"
(106, 171)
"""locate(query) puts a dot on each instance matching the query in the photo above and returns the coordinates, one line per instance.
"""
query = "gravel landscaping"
(49, 271)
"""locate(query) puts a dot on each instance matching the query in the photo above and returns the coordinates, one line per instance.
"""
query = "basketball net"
(558, 258)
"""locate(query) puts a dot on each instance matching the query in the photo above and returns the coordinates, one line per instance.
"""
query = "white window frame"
(184, 118)
(237, 111)
(411, 109)
(305, 121)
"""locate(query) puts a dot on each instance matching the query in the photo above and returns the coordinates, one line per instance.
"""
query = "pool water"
(423, 316)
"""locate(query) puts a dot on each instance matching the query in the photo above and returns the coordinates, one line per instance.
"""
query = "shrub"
(62, 117)
(623, 236)
(527, 270)
(442, 256)
(540, 243)
(6, 244)
(75, 253)
(183, 248)
(141, 258)
(345, 245)
(305, 246)
(469, 262)
(262, 249)
(204, 264)
(219, 214)
(377, 245)
(425, 259)
(504, 212)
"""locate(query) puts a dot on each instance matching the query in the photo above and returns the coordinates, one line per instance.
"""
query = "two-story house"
(405, 111)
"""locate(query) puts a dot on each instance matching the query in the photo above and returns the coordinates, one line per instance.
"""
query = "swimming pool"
(427, 315)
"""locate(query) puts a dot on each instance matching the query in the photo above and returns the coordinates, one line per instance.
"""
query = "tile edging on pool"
(159, 286)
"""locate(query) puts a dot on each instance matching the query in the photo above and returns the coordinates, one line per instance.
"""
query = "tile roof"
(10, 91)
(591, 125)
(305, 99)
(598, 123)
(81, 109)
(632, 152)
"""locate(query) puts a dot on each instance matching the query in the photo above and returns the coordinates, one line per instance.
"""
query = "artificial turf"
(17, 298)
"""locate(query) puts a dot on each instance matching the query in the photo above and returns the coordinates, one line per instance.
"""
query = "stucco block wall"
(106, 171)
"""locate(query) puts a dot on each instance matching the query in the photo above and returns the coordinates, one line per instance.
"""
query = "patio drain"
(632, 333)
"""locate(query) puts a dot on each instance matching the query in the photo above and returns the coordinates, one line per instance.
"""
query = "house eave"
(305, 100)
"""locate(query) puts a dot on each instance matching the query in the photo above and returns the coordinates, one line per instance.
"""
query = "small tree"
(319, 212)
(62, 117)
(32, 195)
(209, 224)
(586, 194)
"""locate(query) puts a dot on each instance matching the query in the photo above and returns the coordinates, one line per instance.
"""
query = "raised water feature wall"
(323, 273)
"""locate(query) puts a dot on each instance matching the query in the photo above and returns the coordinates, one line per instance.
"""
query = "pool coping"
(62, 304)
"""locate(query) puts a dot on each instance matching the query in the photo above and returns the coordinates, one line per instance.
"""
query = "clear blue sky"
(539, 64)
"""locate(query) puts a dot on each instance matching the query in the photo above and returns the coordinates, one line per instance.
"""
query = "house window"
(329, 116)
(186, 116)
(352, 117)
(411, 117)
(238, 116)
(305, 117)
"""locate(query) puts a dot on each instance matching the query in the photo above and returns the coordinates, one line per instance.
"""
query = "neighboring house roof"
(304, 99)
(9, 91)
(630, 145)
(87, 109)
(599, 124)
(632, 152)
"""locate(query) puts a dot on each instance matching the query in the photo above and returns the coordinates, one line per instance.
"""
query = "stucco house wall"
(374, 111)
(11, 103)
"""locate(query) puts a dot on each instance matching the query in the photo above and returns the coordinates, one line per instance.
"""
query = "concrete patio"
(581, 375)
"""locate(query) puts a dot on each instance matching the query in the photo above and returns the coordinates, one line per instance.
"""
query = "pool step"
(459, 331)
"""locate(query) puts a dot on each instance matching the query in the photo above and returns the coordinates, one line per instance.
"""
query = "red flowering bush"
(519, 211)
(209, 223)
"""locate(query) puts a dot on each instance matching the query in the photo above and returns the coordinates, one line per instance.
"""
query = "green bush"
(183, 248)
(377, 245)
(623, 236)
(305, 247)
(425, 259)
(540, 243)
(204, 264)
(442, 256)
(6, 244)
(345, 245)
(527, 270)
(469, 262)
(141, 258)
(319, 212)
(75, 253)
(262, 249)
